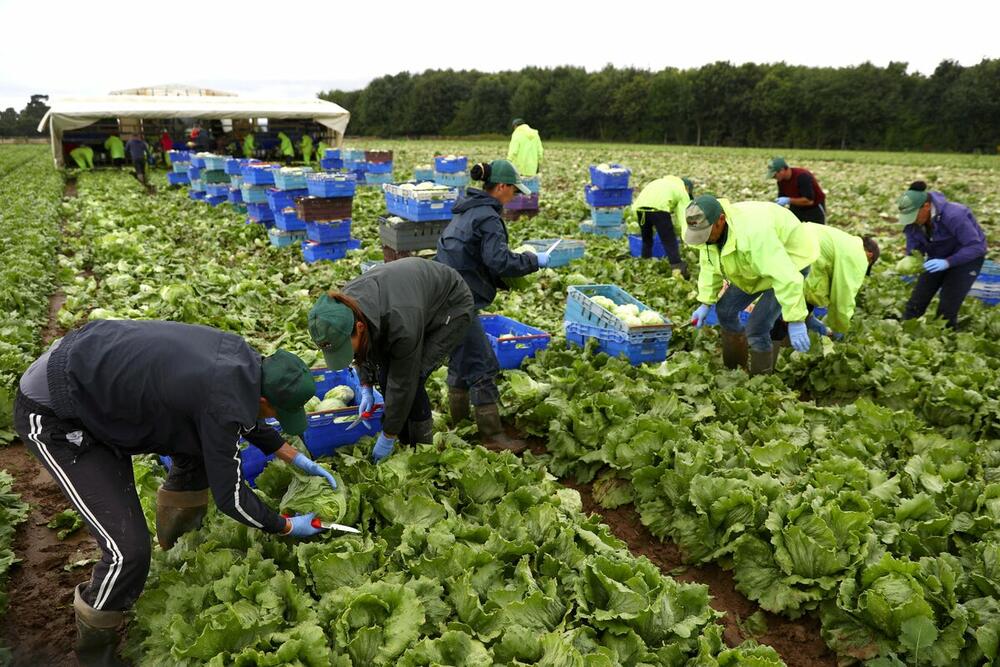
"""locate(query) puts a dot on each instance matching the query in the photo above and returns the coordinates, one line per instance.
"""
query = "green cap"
(701, 214)
(688, 185)
(776, 165)
(287, 384)
(909, 204)
(503, 171)
(331, 325)
(516, 122)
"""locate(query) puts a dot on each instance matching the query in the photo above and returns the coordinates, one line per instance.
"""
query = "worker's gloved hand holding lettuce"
(799, 336)
(306, 464)
(301, 526)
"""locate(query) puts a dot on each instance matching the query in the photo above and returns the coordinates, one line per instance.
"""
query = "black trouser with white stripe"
(99, 484)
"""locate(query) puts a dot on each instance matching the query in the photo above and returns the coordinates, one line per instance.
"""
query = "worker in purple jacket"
(954, 246)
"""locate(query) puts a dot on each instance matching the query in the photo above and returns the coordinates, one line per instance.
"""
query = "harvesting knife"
(316, 523)
(364, 417)
(553, 246)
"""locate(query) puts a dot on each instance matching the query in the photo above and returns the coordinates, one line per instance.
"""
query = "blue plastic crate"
(616, 179)
(423, 174)
(254, 194)
(281, 199)
(215, 200)
(331, 163)
(291, 180)
(352, 155)
(197, 162)
(564, 253)
(234, 165)
(324, 433)
(281, 239)
(533, 183)
(179, 156)
(259, 212)
(581, 308)
(379, 167)
(356, 166)
(315, 252)
(990, 273)
(258, 173)
(607, 216)
(235, 196)
(286, 220)
(609, 232)
(320, 185)
(194, 173)
(603, 198)
(418, 211)
(177, 179)
(331, 153)
(457, 180)
(512, 341)
(451, 165)
(377, 179)
(197, 195)
(180, 167)
(236, 181)
(215, 162)
(635, 246)
(641, 352)
(217, 189)
(329, 232)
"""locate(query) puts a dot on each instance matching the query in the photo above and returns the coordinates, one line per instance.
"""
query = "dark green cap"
(331, 325)
(688, 185)
(516, 122)
(504, 171)
(287, 384)
(701, 214)
(776, 165)
(909, 204)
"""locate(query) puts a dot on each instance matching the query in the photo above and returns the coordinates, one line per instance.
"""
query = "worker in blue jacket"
(954, 245)
(475, 244)
(116, 388)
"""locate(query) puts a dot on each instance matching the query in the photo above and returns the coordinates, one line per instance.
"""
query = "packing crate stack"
(378, 167)
(325, 211)
(607, 195)
(524, 206)
(451, 171)
(417, 214)
(213, 177)
(180, 161)
(987, 285)
(257, 178)
(620, 324)
(289, 187)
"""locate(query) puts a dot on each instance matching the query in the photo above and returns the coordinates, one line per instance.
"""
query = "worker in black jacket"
(115, 388)
(475, 244)
(397, 322)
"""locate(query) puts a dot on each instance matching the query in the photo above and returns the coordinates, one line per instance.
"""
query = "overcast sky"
(92, 48)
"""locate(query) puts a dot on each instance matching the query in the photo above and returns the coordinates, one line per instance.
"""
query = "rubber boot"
(776, 346)
(761, 362)
(178, 512)
(458, 404)
(96, 634)
(734, 349)
(422, 432)
(491, 431)
(683, 268)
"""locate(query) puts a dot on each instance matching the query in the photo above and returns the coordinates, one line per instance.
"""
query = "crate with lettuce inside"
(610, 176)
(619, 323)
(420, 202)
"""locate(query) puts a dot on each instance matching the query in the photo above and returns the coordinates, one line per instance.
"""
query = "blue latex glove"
(799, 336)
(305, 463)
(783, 201)
(935, 265)
(383, 447)
(302, 526)
(813, 324)
(698, 316)
(367, 400)
(543, 259)
(836, 336)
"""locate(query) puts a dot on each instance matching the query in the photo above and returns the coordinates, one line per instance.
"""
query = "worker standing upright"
(166, 145)
(661, 205)
(475, 244)
(116, 150)
(287, 148)
(950, 237)
(525, 151)
(137, 150)
(764, 252)
(306, 145)
(799, 190)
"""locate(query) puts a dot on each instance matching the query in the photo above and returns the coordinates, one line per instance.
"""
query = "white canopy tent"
(72, 113)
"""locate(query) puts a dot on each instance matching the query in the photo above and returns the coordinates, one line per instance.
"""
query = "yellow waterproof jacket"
(525, 150)
(306, 144)
(766, 248)
(248, 145)
(286, 145)
(115, 146)
(665, 194)
(837, 274)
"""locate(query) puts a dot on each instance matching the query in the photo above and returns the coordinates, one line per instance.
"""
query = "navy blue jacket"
(475, 244)
(169, 388)
(954, 235)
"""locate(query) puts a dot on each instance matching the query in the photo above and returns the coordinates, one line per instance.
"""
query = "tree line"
(956, 108)
(24, 123)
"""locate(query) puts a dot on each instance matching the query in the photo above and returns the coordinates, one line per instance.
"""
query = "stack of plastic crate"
(587, 318)
(326, 213)
(378, 167)
(987, 285)
(452, 171)
(289, 185)
(180, 161)
(418, 213)
(607, 195)
(257, 178)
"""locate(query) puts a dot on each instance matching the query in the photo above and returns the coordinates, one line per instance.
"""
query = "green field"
(859, 484)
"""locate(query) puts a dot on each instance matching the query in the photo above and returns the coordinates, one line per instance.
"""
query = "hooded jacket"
(525, 150)
(835, 278)
(475, 244)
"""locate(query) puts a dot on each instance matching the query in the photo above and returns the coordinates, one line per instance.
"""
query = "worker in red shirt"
(167, 144)
(799, 190)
